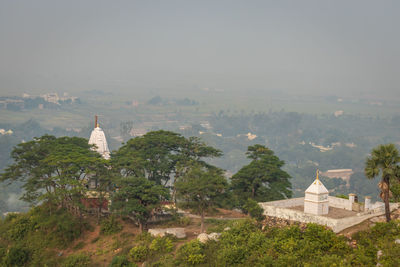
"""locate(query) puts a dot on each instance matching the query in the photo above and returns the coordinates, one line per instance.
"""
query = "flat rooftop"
(334, 213)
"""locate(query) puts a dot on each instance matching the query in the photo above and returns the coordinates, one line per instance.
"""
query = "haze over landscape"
(114, 114)
(318, 47)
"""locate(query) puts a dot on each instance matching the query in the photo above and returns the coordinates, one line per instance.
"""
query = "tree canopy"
(262, 179)
(384, 161)
(157, 155)
(137, 197)
(199, 188)
(53, 169)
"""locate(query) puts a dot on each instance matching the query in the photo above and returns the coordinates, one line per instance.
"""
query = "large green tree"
(153, 155)
(262, 179)
(199, 189)
(53, 169)
(384, 161)
(160, 155)
(137, 197)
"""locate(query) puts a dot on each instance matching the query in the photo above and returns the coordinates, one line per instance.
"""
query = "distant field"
(114, 108)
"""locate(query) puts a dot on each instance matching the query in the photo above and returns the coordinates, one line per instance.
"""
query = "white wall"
(285, 203)
(340, 203)
(336, 225)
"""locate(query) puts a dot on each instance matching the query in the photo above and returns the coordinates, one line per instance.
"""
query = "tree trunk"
(202, 222)
(386, 199)
(140, 227)
(98, 214)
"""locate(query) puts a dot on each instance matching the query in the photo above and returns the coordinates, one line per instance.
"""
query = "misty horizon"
(307, 47)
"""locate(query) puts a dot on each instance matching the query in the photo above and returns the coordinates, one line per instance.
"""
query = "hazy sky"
(295, 46)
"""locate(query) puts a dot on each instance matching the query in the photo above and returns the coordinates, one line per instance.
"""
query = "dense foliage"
(28, 237)
(262, 179)
(137, 197)
(148, 170)
(54, 169)
(157, 155)
(199, 188)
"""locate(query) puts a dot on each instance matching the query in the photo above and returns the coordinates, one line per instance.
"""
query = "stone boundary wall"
(340, 203)
(285, 203)
(336, 225)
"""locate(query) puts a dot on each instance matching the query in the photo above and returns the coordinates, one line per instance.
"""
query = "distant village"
(45, 101)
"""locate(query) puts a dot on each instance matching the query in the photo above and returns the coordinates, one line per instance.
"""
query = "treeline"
(159, 166)
(20, 103)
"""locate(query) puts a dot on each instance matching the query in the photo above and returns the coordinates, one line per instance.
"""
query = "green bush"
(60, 228)
(191, 253)
(391, 255)
(139, 253)
(121, 261)
(252, 208)
(110, 226)
(80, 245)
(184, 221)
(94, 240)
(166, 260)
(19, 227)
(80, 260)
(17, 256)
(144, 237)
(218, 225)
(161, 245)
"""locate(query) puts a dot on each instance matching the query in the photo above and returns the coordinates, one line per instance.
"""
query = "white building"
(316, 198)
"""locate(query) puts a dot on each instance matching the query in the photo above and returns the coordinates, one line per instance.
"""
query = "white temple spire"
(98, 138)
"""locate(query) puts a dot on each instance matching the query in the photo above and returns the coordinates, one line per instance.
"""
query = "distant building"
(51, 97)
(338, 113)
(343, 174)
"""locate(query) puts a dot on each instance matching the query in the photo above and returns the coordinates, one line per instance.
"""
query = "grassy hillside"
(56, 238)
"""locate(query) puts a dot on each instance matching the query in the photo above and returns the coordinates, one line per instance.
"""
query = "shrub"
(94, 240)
(80, 245)
(17, 256)
(252, 208)
(166, 260)
(110, 226)
(60, 228)
(19, 227)
(121, 261)
(80, 260)
(67, 228)
(144, 237)
(391, 255)
(161, 245)
(191, 253)
(184, 221)
(139, 253)
(217, 226)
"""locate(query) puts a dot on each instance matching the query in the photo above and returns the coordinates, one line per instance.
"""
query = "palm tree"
(384, 161)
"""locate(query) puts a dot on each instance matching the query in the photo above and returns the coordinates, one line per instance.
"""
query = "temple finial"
(95, 122)
(317, 174)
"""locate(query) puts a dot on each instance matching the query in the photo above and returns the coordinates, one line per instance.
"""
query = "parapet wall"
(286, 203)
(340, 203)
(280, 209)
